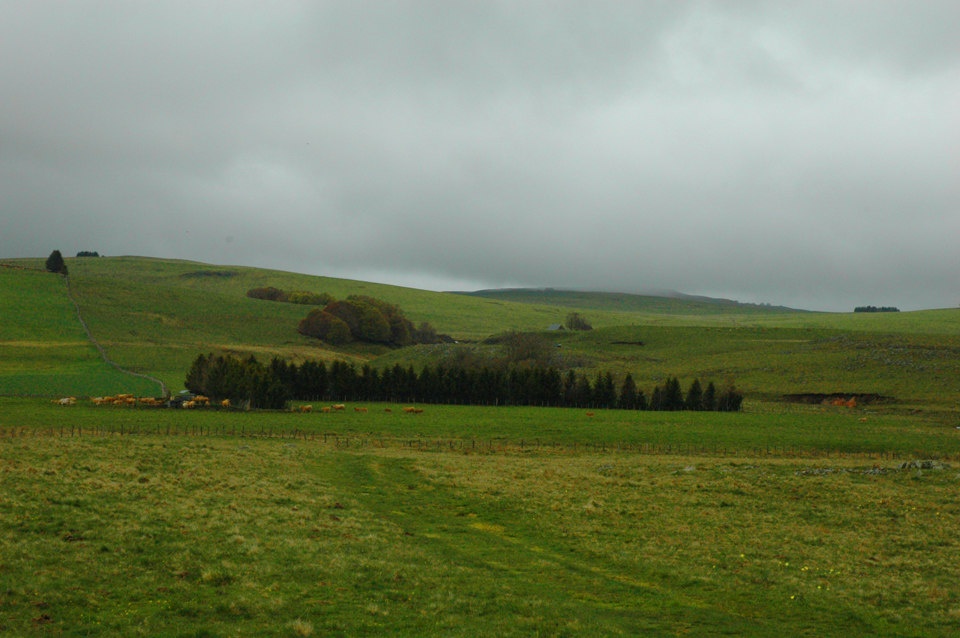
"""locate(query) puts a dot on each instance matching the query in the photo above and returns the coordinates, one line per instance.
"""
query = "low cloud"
(798, 155)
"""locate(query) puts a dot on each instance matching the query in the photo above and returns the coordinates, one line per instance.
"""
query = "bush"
(267, 293)
(88, 253)
(575, 321)
(309, 298)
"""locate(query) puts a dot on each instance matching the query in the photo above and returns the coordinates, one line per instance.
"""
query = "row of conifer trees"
(246, 381)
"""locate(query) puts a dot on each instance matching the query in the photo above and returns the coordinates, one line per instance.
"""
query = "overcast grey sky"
(796, 153)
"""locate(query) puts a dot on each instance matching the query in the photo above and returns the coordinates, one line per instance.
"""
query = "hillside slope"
(669, 303)
(155, 315)
(44, 350)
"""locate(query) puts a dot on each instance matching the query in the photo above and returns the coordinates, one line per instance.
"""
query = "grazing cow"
(409, 410)
(306, 408)
(589, 413)
(65, 401)
(418, 411)
(189, 404)
(387, 410)
(325, 410)
(360, 409)
(339, 407)
(225, 403)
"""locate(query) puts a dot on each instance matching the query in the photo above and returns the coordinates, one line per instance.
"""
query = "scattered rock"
(923, 465)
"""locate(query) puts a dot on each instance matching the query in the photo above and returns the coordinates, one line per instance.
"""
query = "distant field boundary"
(103, 353)
(475, 445)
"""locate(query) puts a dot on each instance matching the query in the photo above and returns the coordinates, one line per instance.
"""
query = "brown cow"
(339, 407)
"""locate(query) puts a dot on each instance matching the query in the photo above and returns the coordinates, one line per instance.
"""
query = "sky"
(804, 154)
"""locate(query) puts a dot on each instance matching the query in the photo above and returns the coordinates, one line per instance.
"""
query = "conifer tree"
(694, 400)
(55, 263)
(709, 402)
(628, 394)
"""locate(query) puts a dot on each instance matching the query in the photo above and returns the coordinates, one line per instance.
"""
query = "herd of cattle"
(202, 401)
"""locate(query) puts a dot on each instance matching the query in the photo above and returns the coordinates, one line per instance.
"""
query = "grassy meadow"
(217, 535)
(785, 518)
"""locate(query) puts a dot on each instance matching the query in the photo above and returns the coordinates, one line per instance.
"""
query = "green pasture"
(767, 363)
(765, 428)
(223, 535)
(460, 316)
(43, 348)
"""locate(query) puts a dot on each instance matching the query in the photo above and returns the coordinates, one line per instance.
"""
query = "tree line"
(248, 382)
(875, 309)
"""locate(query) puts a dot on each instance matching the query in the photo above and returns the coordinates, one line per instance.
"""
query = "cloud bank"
(797, 154)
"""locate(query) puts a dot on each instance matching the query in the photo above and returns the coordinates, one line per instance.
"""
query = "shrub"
(309, 298)
(267, 293)
(575, 321)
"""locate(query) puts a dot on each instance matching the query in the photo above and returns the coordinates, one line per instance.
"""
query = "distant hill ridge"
(614, 300)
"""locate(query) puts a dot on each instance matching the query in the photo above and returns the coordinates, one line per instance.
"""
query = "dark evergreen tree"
(709, 402)
(583, 392)
(312, 381)
(694, 400)
(604, 390)
(197, 375)
(55, 263)
(656, 398)
(641, 400)
(672, 397)
(569, 388)
(628, 394)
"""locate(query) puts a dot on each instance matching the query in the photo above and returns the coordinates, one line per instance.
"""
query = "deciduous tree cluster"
(361, 318)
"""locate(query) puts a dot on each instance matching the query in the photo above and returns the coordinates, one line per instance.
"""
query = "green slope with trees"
(155, 316)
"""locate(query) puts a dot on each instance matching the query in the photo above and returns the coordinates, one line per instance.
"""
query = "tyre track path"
(103, 353)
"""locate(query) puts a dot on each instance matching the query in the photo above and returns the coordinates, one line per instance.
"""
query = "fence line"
(470, 445)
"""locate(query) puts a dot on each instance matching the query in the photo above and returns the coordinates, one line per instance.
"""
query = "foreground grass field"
(223, 535)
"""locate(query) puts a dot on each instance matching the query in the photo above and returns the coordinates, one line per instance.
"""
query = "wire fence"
(471, 445)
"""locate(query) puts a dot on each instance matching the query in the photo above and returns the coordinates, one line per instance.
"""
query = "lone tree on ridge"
(55, 263)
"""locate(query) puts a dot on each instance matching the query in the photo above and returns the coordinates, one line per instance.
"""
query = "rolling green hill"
(625, 302)
(155, 315)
